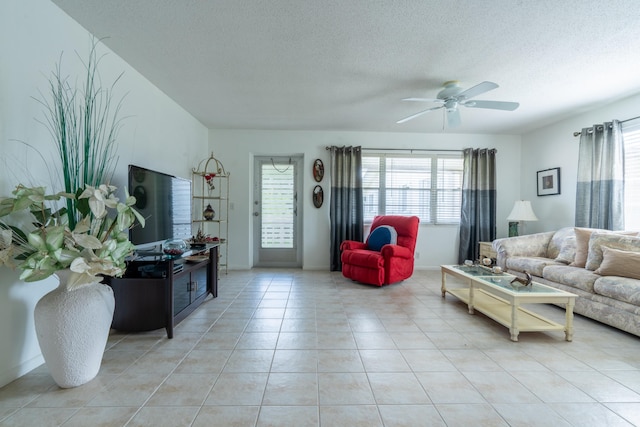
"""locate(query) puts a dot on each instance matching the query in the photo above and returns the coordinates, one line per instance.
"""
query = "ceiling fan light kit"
(452, 96)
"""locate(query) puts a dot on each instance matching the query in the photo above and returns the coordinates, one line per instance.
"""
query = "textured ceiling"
(346, 64)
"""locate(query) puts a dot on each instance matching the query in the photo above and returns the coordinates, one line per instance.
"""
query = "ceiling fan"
(452, 96)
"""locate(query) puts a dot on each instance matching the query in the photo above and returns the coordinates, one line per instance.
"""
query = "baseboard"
(22, 369)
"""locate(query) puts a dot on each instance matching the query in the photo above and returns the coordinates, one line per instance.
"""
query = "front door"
(276, 212)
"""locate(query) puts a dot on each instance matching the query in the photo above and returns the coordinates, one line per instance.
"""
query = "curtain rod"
(404, 149)
(621, 121)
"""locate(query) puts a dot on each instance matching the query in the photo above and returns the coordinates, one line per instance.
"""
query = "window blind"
(631, 139)
(428, 186)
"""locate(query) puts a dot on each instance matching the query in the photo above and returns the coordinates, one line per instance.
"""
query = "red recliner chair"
(369, 263)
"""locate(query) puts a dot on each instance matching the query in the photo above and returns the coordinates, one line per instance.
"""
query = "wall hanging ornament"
(318, 170)
(318, 196)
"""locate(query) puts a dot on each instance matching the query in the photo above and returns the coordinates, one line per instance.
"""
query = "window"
(631, 138)
(428, 186)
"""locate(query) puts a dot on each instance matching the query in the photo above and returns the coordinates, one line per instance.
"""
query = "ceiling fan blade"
(494, 105)
(453, 118)
(413, 116)
(423, 99)
(476, 90)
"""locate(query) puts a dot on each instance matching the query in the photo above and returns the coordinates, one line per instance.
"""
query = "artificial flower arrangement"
(88, 233)
(209, 179)
(201, 239)
(81, 236)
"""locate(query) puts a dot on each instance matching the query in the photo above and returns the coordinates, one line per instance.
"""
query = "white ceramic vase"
(72, 326)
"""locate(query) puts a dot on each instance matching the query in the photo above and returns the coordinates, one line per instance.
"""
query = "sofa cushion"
(583, 236)
(619, 263)
(558, 241)
(567, 251)
(582, 245)
(575, 277)
(626, 242)
(532, 265)
(619, 288)
(382, 235)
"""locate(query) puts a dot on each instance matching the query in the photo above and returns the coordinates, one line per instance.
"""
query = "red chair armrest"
(352, 244)
(389, 251)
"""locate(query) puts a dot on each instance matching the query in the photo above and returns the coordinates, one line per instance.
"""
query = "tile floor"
(298, 348)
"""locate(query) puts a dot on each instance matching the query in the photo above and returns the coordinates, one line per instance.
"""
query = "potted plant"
(78, 234)
(72, 321)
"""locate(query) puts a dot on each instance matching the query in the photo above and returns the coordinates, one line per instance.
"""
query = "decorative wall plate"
(318, 170)
(318, 196)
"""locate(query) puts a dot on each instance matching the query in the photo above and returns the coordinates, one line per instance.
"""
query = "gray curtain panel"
(346, 204)
(478, 211)
(600, 188)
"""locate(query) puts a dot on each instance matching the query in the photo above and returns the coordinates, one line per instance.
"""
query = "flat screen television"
(165, 203)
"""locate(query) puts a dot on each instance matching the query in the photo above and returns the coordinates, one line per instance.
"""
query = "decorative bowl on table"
(174, 248)
(197, 258)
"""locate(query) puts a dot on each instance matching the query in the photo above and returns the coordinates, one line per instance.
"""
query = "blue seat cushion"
(382, 235)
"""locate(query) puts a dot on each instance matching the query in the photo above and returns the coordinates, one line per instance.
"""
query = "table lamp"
(521, 212)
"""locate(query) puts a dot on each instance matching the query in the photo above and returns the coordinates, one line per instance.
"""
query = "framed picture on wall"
(549, 182)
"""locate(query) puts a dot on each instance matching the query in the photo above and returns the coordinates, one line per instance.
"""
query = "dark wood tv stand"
(154, 292)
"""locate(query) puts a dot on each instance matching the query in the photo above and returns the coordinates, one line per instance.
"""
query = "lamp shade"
(522, 212)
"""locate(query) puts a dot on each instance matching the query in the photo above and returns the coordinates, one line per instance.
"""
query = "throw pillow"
(619, 263)
(624, 241)
(567, 250)
(382, 235)
(582, 246)
(583, 235)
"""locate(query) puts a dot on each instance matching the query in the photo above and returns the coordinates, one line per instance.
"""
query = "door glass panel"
(278, 206)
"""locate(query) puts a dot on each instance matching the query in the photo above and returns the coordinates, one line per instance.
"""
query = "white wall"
(436, 244)
(555, 146)
(157, 134)
(161, 135)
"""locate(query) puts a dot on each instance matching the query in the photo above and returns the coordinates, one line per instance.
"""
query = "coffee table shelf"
(500, 311)
(493, 296)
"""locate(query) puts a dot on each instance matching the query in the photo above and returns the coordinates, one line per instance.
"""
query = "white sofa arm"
(527, 245)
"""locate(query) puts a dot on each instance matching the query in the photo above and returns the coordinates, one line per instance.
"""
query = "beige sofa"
(601, 267)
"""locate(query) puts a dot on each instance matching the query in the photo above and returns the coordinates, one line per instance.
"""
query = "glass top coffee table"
(495, 296)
